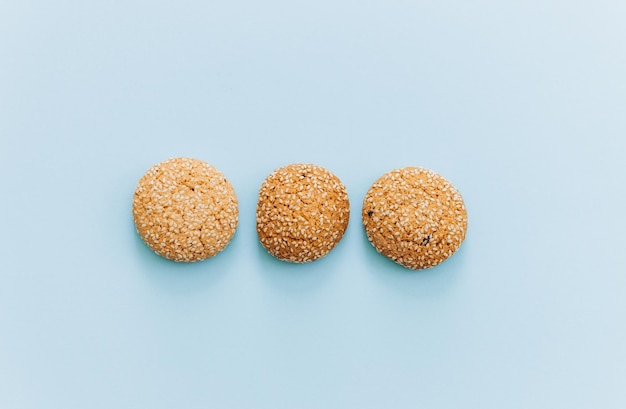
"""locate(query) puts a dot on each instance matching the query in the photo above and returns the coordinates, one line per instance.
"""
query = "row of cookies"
(186, 210)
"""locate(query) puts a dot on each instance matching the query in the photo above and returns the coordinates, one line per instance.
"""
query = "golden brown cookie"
(185, 209)
(302, 212)
(415, 217)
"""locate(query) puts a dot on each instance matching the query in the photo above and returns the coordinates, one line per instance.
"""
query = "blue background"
(521, 104)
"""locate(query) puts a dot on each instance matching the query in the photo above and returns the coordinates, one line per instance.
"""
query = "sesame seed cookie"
(302, 212)
(185, 209)
(415, 217)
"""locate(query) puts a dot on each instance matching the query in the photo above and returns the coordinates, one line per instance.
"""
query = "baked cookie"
(415, 217)
(302, 212)
(185, 209)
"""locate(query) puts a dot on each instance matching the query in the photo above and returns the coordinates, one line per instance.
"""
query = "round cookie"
(185, 209)
(302, 212)
(415, 217)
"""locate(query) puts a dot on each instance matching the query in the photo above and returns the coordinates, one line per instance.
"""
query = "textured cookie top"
(185, 209)
(415, 217)
(302, 212)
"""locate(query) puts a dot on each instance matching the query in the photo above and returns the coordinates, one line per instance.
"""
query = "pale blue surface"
(521, 104)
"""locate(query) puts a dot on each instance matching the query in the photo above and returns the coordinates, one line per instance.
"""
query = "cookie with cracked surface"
(185, 210)
(302, 212)
(415, 217)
